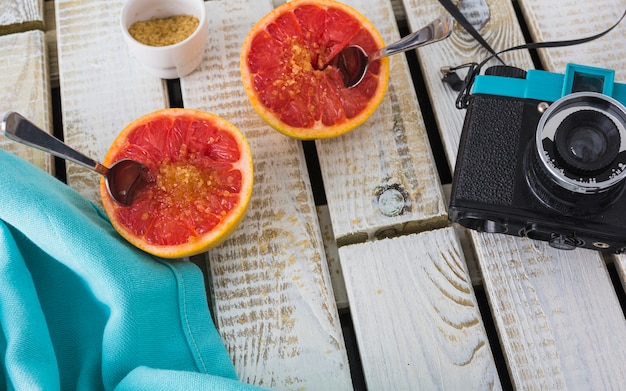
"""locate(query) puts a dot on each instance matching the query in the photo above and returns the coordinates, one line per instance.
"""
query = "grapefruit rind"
(223, 229)
(318, 130)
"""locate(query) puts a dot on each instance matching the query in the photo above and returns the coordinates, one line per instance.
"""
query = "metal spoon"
(352, 61)
(123, 179)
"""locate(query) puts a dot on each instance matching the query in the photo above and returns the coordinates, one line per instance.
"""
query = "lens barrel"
(586, 142)
(581, 142)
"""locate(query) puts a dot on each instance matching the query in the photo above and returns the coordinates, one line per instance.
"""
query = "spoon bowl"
(352, 61)
(123, 179)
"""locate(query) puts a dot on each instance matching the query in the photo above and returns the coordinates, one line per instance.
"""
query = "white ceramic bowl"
(173, 61)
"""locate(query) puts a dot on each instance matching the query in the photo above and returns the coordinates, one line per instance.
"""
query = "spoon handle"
(19, 129)
(436, 30)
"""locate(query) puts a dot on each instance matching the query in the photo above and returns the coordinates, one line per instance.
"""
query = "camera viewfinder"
(586, 82)
(581, 78)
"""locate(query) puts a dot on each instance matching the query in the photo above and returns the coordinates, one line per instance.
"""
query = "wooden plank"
(573, 19)
(496, 22)
(273, 299)
(577, 19)
(415, 315)
(20, 16)
(102, 87)
(553, 309)
(380, 179)
(24, 88)
(557, 314)
(570, 20)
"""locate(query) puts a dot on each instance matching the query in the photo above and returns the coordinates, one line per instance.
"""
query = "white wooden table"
(430, 306)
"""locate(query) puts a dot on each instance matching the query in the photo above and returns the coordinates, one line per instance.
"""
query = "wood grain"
(557, 314)
(24, 88)
(20, 16)
(380, 179)
(102, 87)
(415, 314)
(574, 19)
(273, 298)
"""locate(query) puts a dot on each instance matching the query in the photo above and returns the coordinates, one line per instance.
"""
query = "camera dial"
(581, 142)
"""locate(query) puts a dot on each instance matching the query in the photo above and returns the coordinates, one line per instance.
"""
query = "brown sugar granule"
(164, 31)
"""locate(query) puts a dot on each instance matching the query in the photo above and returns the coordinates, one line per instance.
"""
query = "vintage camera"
(543, 155)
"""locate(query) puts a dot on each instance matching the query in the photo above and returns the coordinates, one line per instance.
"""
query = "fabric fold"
(81, 308)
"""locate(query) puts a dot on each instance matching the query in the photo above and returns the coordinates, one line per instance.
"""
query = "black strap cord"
(460, 18)
(465, 86)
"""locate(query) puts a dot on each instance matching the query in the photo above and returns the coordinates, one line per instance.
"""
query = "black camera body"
(543, 155)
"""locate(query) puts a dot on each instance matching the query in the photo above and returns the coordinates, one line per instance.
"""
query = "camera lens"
(581, 142)
(587, 141)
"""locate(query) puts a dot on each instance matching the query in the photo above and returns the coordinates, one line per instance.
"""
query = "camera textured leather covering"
(489, 150)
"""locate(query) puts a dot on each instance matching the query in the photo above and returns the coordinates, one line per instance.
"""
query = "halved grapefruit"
(200, 172)
(284, 68)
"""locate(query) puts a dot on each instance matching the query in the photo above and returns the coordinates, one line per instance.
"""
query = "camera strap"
(465, 86)
(454, 11)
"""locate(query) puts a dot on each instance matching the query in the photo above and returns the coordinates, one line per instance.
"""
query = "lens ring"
(603, 175)
(586, 142)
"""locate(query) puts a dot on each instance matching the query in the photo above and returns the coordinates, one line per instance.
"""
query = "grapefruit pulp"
(200, 181)
(285, 72)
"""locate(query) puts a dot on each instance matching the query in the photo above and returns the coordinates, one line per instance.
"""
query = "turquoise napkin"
(80, 308)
